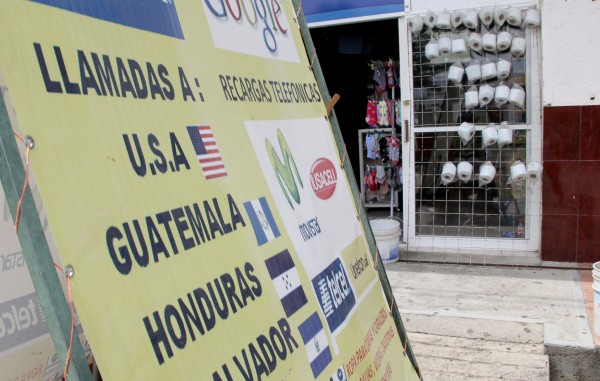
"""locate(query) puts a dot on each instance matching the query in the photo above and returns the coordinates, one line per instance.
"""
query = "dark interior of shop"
(345, 52)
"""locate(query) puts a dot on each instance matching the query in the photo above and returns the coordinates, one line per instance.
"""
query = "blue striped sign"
(285, 278)
(158, 16)
(262, 220)
(315, 343)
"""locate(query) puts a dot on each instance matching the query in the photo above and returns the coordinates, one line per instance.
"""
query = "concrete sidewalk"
(495, 323)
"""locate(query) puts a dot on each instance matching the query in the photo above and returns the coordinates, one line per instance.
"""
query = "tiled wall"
(571, 184)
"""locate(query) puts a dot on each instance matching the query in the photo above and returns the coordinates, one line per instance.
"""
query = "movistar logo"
(283, 169)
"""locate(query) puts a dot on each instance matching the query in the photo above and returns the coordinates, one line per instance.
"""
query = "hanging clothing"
(380, 173)
(390, 107)
(398, 113)
(371, 117)
(382, 113)
(383, 151)
(370, 181)
(371, 145)
(390, 77)
(379, 77)
(393, 148)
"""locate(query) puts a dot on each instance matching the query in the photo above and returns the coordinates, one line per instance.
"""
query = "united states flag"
(207, 152)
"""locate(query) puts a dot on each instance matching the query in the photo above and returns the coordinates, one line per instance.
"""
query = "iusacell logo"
(323, 178)
(285, 169)
(267, 14)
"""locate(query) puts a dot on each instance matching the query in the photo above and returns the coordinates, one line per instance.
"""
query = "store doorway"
(355, 58)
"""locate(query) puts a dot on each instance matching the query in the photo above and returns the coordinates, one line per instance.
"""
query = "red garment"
(371, 181)
(371, 117)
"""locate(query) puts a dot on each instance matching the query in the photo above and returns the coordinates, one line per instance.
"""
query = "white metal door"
(466, 217)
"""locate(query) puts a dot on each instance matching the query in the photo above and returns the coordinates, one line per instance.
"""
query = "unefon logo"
(323, 178)
(268, 11)
(283, 169)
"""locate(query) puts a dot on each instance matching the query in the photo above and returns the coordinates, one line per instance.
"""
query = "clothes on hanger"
(371, 145)
(393, 149)
(383, 146)
(382, 110)
(371, 117)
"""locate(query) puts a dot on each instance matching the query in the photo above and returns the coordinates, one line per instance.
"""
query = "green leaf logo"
(283, 169)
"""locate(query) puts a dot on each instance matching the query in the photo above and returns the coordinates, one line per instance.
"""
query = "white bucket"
(387, 238)
(596, 287)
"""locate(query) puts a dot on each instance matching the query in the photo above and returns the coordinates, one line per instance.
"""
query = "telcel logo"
(268, 12)
(323, 178)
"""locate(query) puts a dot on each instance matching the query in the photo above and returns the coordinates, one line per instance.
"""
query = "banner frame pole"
(37, 252)
(347, 167)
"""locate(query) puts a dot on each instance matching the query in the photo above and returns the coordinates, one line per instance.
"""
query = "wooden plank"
(37, 253)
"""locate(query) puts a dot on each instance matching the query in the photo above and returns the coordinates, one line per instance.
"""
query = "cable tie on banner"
(344, 158)
(405, 345)
(331, 104)
(29, 144)
(298, 12)
(392, 305)
(376, 258)
(71, 310)
(360, 207)
(312, 60)
(68, 271)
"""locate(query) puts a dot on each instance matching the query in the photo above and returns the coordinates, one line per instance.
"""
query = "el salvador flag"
(315, 343)
(262, 220)
(285, 278)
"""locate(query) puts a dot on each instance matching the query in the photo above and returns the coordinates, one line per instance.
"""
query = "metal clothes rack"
(391, 130)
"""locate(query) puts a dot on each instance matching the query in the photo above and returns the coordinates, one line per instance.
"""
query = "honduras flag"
(315, 343)
(262, 220)
(287, 282)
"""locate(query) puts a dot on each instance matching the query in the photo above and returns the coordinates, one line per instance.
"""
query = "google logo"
(268, 12)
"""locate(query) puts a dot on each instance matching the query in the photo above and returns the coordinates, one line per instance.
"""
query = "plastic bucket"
(596, 270)
(596, 287)
(387, 238)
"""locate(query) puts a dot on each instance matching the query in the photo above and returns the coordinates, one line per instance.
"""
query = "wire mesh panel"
(438, 102)
(469, 207)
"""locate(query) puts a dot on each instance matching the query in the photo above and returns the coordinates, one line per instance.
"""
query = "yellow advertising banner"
(190, 177)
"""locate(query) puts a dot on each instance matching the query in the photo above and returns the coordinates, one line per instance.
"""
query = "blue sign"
(315, 342)
(334, 293)
(332, 10)
(158, 16)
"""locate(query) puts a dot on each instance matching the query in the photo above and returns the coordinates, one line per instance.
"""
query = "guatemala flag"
(315, 342)
(287, 282)
(262, 220)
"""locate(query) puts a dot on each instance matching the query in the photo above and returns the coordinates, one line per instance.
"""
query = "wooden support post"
(37, 253)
